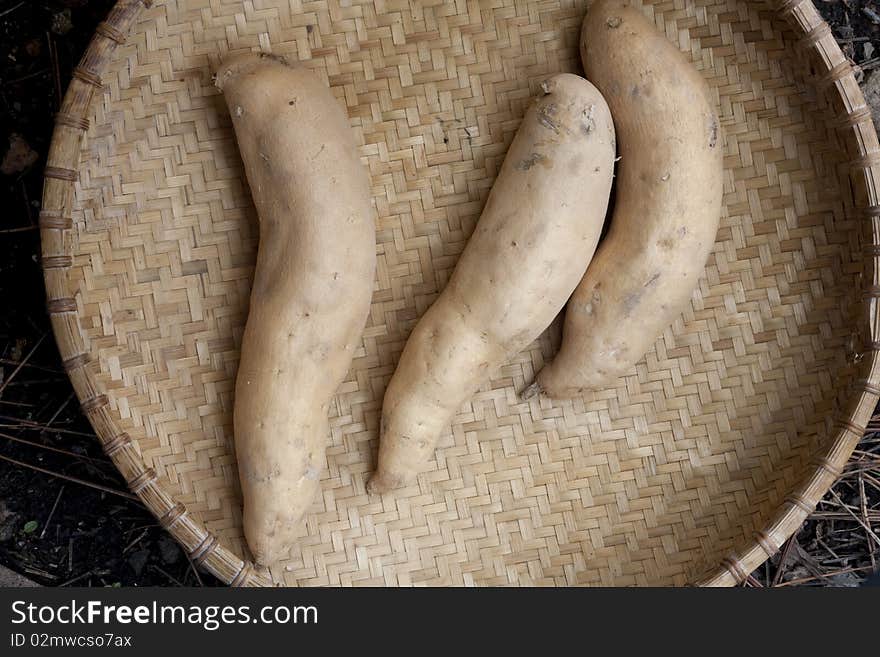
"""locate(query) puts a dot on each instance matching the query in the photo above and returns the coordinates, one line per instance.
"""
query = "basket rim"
(203, 547)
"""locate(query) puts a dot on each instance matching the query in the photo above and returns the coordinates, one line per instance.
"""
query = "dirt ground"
(56, 531)
(66, 517)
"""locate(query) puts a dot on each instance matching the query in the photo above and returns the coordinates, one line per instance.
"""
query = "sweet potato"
(529, 250)
(312, 286)
(667, 207)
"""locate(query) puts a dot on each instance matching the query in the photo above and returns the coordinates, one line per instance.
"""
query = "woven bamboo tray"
(694, 469)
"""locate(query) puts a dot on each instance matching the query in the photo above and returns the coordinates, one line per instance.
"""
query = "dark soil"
(55, 531)
(59, 531)
(856, 25)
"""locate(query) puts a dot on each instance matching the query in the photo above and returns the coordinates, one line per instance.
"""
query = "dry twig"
(75, 480)
(23, 362)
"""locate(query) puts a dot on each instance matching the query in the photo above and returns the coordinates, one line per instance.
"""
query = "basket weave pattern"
(694, 469)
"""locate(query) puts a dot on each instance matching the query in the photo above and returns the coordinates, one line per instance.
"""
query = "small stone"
(871, 89)
(33, 47)
(169, 550)
(7, 530)
(19, 157)
(18, 348)
(7, 523)
(872, 15)
(845, 580)
(137, 560)
(61, 22)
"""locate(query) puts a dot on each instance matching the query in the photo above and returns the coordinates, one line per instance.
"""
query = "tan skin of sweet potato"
(668, 201)
(529, 250)
(312, 286)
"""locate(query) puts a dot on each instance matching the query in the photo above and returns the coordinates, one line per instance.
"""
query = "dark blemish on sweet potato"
(269, 476)
(292, 102)
(652, 280)
(667, 244)
(682, 231)
(527, 163)
(545, 117)
(613, 22)
(631, 302)
(588, 124)
(513, 244)
(713, 132)
(311, 471)
(590, 307)
(521, 338)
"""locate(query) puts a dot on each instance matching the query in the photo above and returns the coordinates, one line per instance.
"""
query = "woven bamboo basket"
(695, 468)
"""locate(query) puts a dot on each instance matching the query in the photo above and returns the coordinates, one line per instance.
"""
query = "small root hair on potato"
(532, 390)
